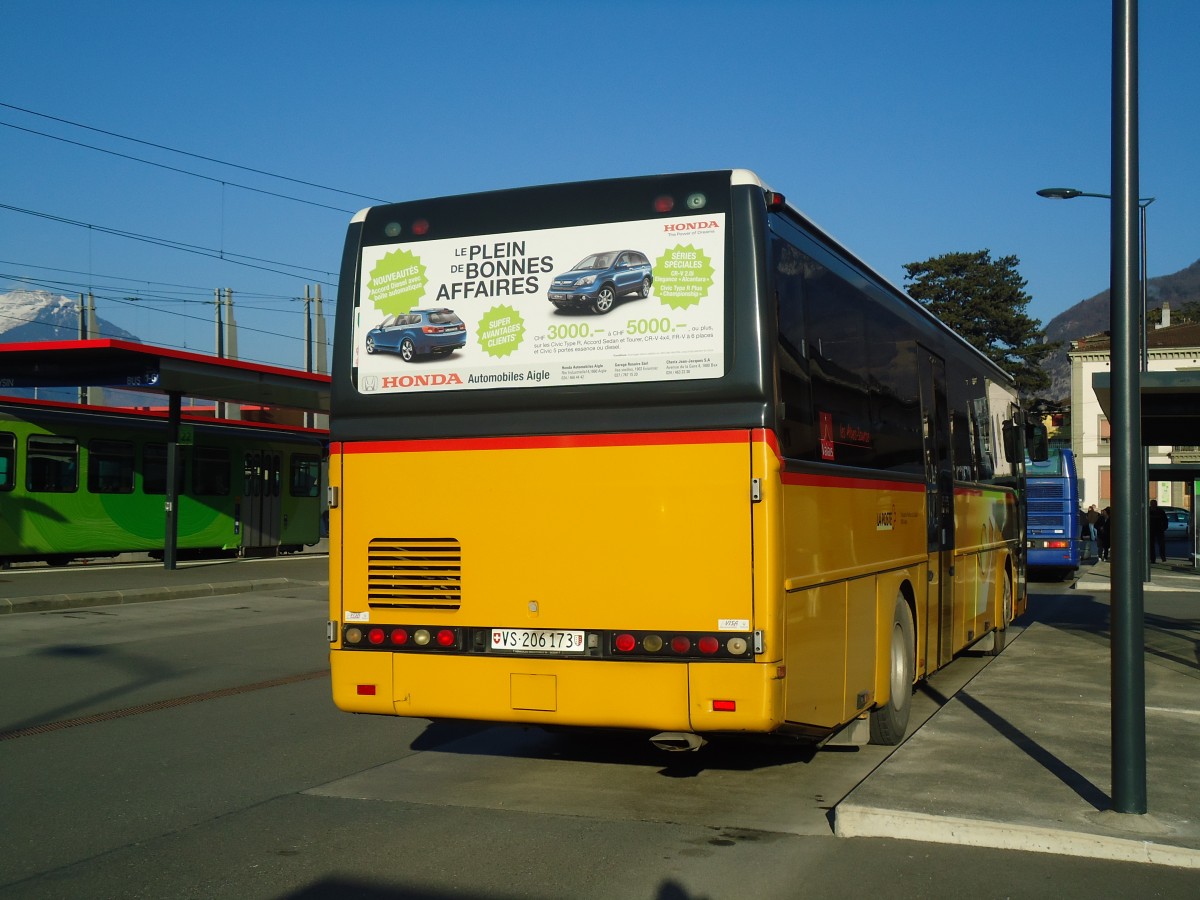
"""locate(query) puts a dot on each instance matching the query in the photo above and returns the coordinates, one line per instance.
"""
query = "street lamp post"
(1143, 202)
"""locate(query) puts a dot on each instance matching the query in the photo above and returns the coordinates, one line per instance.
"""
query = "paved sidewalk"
(133, 579)
(1021, 758)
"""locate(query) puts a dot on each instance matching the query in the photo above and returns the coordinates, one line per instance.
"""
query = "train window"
(306, 475)
(154, 470)
(110, 467)
(53, 464)
(8, 460)
(210, 471)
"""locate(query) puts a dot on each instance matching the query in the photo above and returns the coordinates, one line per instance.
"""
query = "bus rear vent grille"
(414, 573)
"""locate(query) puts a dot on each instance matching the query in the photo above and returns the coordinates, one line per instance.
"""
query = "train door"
(939, 510)
(261, 511)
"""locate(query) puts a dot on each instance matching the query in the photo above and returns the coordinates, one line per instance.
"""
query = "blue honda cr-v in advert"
(596, 281)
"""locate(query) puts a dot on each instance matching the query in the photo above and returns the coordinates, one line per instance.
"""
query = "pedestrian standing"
(1104, 532)
(1092, 517)
(1158, 532)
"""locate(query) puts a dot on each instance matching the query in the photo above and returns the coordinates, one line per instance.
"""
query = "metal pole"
(1147, 571)
(220, 325)
(1128, 654)
(171, 522)
(83, 334)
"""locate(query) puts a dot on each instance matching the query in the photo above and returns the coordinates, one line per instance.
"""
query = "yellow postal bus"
(655, 454)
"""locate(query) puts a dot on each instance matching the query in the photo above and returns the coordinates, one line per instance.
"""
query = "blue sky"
(906, 129)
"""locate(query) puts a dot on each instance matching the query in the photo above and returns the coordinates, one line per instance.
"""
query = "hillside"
(1091, 316)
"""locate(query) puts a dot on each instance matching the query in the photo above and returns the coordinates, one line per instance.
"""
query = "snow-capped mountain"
(32, 316)
(44, 316)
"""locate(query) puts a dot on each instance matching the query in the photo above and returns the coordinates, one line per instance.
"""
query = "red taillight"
(664, 204)
(681, 644)
(1058, 545)
(445, 637)
(366, 690)
(399, 636)
(375, 635)
(420, 226)
(708, 645)
(625, 642)
(724, 706)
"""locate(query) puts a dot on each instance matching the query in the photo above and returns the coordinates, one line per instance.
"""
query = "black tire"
(889, 722)
(370, 344)
(408, 350)
(645, 291)
(1000, 639)
(605, 300)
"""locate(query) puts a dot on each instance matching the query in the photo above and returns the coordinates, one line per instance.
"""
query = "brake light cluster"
(396, 637)
(632, 645)
(680, 645)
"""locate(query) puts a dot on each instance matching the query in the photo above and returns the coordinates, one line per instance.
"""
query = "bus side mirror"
(1037, 442)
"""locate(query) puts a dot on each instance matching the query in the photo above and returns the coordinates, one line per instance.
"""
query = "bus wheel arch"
(889, 720)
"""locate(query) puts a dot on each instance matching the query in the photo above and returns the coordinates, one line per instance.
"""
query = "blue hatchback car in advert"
(419, 332)
(596, 281)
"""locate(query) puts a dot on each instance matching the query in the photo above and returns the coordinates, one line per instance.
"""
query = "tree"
(984, 301)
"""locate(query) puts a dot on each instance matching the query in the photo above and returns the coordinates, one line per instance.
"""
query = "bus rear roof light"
(375, 635)
(708, 645)
(445, 637)
(420, 226)
(399, 636)
(664, 204)
(625, 642)
(775, 201)
(681, 644)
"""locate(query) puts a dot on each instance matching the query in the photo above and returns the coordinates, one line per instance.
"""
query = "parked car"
(596, 281)
(1179, 521)
(419, 332)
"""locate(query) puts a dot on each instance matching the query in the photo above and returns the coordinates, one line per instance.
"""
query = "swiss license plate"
(537, 640)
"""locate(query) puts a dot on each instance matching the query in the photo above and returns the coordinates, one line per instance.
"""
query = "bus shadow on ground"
(733, 753)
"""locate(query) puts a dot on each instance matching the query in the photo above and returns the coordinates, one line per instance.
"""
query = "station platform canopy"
(1170, 404)
(130, 366)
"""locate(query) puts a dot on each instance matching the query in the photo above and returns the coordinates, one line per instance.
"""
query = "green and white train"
(81, 482)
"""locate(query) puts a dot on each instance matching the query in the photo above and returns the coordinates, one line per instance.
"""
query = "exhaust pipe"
(677, 741)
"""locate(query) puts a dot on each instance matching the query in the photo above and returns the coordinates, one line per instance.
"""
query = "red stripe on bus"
(849, 481)
(549, 441)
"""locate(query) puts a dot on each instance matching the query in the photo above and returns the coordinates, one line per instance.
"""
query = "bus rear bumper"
(681, 697)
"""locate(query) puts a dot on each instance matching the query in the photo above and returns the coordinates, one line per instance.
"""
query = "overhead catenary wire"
(239, 259)
(199, 156)
(221, 181)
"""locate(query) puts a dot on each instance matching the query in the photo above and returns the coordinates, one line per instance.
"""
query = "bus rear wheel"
(889, 722)
(1000, 635)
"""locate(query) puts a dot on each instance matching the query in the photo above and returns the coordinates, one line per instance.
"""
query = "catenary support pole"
(1129, 539)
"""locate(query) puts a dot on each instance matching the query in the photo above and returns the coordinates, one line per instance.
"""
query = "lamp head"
(1059, 193)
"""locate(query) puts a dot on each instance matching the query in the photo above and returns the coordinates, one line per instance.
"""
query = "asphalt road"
(188, 748)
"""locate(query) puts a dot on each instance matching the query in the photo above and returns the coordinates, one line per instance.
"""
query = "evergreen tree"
(984, 301)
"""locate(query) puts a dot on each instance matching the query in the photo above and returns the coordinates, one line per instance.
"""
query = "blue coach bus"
(1053, 514)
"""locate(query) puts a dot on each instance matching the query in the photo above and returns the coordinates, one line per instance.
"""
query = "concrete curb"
(864, 821)
(84, 599)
